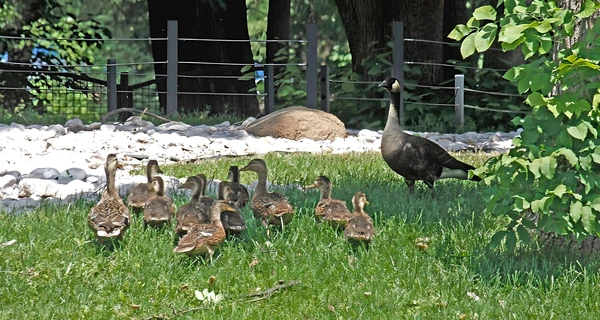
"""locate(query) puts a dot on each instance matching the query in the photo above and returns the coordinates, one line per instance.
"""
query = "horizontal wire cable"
(81, 39)
(495, 110)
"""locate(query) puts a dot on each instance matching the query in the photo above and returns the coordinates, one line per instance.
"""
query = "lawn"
(55, 270)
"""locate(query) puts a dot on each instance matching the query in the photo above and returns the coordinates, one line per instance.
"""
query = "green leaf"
(473, 23)
(565, 139)
(485, 37)
(348, 87)
(578, 132)
(530, 136)
(511, 240)
(588, 219)
(548, 166)
(467, 48)
(459, 32)
(535, 99)
(523, 234)
(511, 32)
(575, 211)
(497, 238)
(544, 27)
(559, 190)
(568, 154)
(485, 13)
(513, 73)
(523, 85)
(588, 9)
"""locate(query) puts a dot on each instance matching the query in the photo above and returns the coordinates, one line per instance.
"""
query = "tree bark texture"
(368, 25)
(198, 19)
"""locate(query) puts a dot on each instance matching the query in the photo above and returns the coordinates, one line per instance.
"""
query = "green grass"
(54, 270)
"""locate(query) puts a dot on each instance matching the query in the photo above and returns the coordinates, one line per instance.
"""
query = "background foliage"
(552, 175)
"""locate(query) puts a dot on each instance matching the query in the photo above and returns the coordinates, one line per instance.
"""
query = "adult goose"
(416, 158)
(109, 218)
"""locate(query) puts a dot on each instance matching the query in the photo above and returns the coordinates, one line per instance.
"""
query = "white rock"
(44, 173)
(247, 122)
(7, 181)
(368, 135)
(75, 187)
(108, 127)
(18, 126)
(42, 188)
(173, 125)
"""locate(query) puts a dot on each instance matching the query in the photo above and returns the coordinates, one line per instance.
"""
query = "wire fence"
(80, 89)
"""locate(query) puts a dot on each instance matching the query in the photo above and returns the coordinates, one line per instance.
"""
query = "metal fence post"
(270, 89)
(311, 65)
(123, 96)
(111, 84)
(325, 94)
(459, 100)
(398, 57)
(172, 61)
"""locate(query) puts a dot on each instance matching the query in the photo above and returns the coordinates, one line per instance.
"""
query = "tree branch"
(112, 113)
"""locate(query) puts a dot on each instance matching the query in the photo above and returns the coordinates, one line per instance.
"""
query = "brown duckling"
(331, 210)
(233, 221)
(159, 209)
(204, 239)
(109, 218)
(360, 228)
(239, 193)
(143, 192)
(269, 207)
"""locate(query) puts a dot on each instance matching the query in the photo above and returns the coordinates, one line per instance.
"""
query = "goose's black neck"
(393, 119)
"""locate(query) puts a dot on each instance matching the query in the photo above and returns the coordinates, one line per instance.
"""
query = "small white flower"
(473, 296)
(208, 297)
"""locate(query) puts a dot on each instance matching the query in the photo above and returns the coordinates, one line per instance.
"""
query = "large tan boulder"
(296, 123)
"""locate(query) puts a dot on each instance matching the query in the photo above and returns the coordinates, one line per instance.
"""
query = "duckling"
(159, 209)
(194, 212)
(239, 194)
(143, 192)
(109, 218)
(331, 210)
(233, 221)
(204, 239)
(360, 228)
(269, 207)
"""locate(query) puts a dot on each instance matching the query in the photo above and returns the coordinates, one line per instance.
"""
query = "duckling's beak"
(119, 165)
(246, 168)
(227, 207)
(314, 185)
(366, 202)
(159, 170)
(184, 186)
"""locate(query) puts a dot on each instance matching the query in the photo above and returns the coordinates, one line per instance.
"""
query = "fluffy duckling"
(143, 192)
(331, 210)
(233, 221)
(159, 209)
(239, 194)
(197, 211)
(360, 228)
(269, 207)
(109, 218)
(204, 239)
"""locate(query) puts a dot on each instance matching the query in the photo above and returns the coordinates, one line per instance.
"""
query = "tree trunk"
(365, 30)
(368, 26)
(197, 19)
(278, 27)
